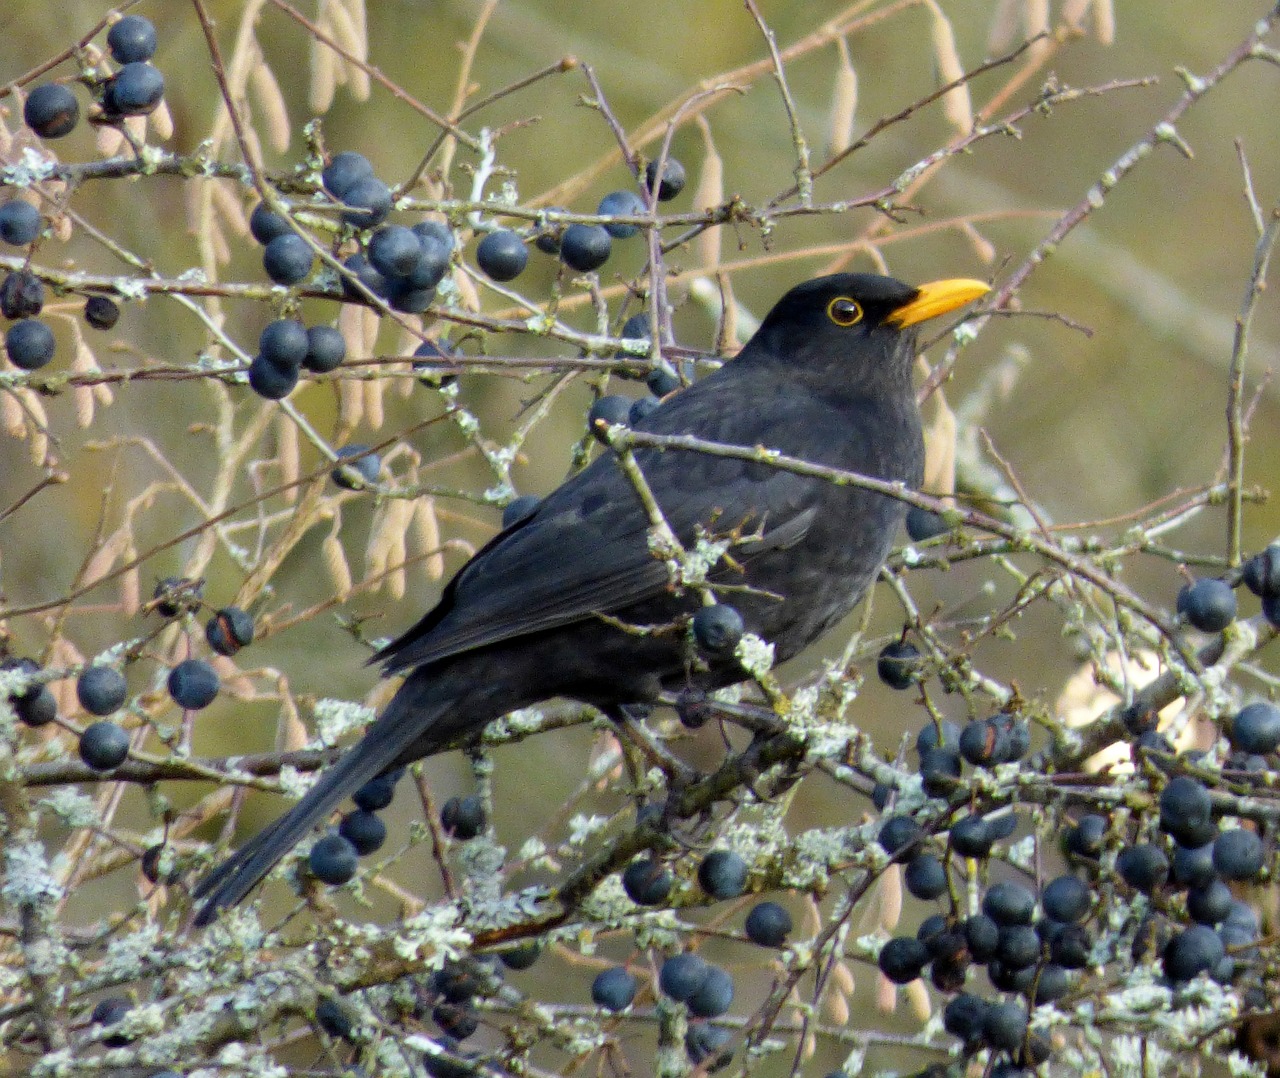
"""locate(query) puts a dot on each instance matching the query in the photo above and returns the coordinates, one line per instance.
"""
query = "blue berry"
(360, 268)
(30, 344)
(135, 90)
(898, 665)
(265, 224)
(609, 410)
(1192, 951)
(284, 342)
(924, 524)
(193, 684)
(547, 238)
(1004, 1026)
(1256, 728)
(132, 40)
(287, 259)
(723, 874)
(1210, 904)
(647, 882)
(333, 1019)
(326, 349)
(364, 830)
(682, 975)
(623, 204)
(614, 989)
(585, 247)
(902, 959)
(661, 382)
(1066, 899)
(104, 745)
(333, 860)
(768, 924)
(433, 260)
(394, 250)
(357, 467)
(717, 629)
(898, 833)
(636, 328)
(20, 222)
(101, 690)
(369, 202)
(1209, 605)
(641, 410)
(972, 836)
(403, 296)
(344, 170)
(964, 1016)
(378, 792)
(521, 957)
(1237, 854)
(270, 380)
(1087, 836)
(51, 110)
(704, 1045)
(714, 995)
(1261, 573)
(1143, 867)
(502, 255)
(672, 182)
(430, 231)
(110, 1012)
(463, 817)
(1009, 903)
(925, 877)
(1186, 812)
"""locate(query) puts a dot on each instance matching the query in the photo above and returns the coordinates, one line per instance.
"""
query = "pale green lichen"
(336, 718)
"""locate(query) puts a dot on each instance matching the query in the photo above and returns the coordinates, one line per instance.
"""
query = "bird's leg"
(629, 723)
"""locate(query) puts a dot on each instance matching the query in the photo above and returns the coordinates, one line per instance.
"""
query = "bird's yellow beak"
(935, 298)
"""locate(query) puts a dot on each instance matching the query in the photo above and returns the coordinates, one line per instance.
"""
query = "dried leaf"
(226, 202)
(1037, 21)
(1004, 26)
(335, 564)
(130, 590)
(956, 103)
(324, 69)
(265, 92)
(288, 456)
(102, 560)
(1073, 13)
(82, 362)
(291, 734)
(426, 534)
(39, 427)
(844, 101)
(107, 140)
(836, 1005)
(940, 447)
(12, 416)
(709, 193)
(1104, 21)
(886, 994)
(385, 553)
(350, 404)
(162, 121)
(982, 247)
(375, 414)
(357, 78)
(918, 999)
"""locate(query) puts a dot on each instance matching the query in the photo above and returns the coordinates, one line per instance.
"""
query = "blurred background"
(1095, 424)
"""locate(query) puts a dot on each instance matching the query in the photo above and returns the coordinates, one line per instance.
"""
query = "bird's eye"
(844, 311)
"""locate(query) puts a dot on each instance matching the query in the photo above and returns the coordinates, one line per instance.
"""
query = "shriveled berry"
(100, 312)
(502, 255)
(21, 295)
(333, 860)
(705, 1046)
(51, 110)
(174, 595)
(898, 664)
(193, 684)
(104, 745)
(768, 924)
(585, 247)
(672, 182)
(614, 989)
(1208, 604)
(717, 629)
(101, 690)
(110, 1012)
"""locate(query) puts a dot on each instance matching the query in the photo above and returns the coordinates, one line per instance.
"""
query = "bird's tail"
(400, 726)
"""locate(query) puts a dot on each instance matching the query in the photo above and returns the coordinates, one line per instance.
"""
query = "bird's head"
(856, 317)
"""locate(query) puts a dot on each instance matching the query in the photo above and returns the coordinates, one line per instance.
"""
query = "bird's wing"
(585, 550)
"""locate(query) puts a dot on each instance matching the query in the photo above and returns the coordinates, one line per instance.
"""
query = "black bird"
(827, 378)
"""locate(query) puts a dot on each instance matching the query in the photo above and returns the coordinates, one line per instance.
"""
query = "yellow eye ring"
(844, 311)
